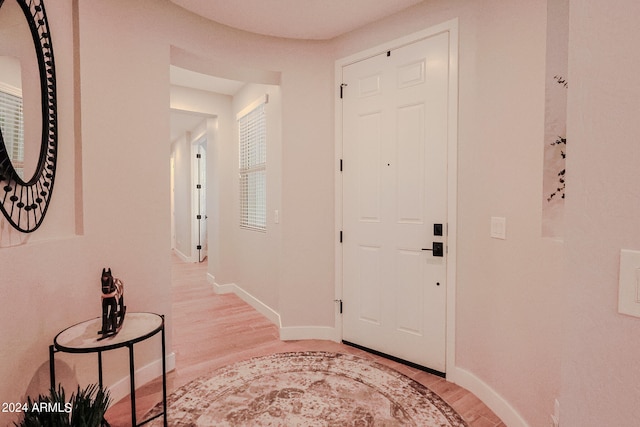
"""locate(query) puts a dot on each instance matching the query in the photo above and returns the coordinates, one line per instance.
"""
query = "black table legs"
(52, 367)
(132, 381)
(164, 376)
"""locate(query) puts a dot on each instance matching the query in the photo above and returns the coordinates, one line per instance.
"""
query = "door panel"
(410, 158)
(370, 285)
(368, 152)
(395, 112)
(409, 308)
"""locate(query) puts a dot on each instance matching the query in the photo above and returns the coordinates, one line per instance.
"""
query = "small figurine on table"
(113, 308)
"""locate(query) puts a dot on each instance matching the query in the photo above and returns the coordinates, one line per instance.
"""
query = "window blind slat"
(252, 163)
(12, 125)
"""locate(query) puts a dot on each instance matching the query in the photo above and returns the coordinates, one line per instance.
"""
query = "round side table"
(84, 337)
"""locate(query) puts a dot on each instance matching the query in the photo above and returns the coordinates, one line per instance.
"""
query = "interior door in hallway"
(200, 198)
(395, 121)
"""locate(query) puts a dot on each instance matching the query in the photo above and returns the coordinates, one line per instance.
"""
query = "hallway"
(211, 331)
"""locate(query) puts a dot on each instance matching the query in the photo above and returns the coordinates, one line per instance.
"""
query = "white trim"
(447, 26)
(182, 256)
(254, 302)
(196, 143)
(11, 90)
(451, 27)
(122, 388)
(452, 196)
(294, 333)
(488, 396)
(172, 165)
(287, 333)
(246, 110)
(337, 315)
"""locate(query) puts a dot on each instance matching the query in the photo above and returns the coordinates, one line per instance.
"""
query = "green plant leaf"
(88, 407)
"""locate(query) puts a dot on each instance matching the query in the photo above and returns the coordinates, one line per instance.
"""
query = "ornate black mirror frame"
(24, 203)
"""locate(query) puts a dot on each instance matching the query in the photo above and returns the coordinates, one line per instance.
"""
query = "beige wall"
(524, 335)
(217, 108)
(122, 168)
(109, 205)
(256, 255)
(300, 280)
(601, 369)
(205, 107)
(509, 291)
(182, 195)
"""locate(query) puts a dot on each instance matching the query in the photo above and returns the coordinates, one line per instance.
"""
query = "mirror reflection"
(11, 111)
(25, 37)
(20, 97)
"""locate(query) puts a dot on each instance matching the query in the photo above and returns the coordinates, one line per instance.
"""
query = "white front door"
(395, 136)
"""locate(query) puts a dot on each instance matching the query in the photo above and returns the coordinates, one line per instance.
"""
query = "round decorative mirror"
(24, 200)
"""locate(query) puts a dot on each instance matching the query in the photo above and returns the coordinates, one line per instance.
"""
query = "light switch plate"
(629, 283)
(498, 227)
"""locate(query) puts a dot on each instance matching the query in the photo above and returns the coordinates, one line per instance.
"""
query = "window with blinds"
(253, 165)
(12, 125)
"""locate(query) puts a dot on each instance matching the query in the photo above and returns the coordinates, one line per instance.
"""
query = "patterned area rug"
(307, 389)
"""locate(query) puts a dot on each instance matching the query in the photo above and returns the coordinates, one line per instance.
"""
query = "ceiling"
(181, 77)
(298, 19)
(182, 121)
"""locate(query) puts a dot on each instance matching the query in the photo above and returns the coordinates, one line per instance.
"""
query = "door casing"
(452, 28)
(198, 196)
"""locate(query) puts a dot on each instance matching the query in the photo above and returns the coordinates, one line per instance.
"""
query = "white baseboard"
(457, 375)
(287, 333)
(148, 373)
(293, 333)
(488, 396)
(229, 288)
(254, 302)
(182, 256)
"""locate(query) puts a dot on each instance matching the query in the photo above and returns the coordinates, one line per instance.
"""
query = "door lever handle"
(437, 248)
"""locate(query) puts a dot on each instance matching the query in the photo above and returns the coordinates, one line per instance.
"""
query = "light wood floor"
(211, 331)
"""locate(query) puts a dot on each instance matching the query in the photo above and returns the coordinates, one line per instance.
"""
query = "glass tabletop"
(85, 337)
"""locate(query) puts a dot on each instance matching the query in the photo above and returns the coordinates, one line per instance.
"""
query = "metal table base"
(137, 327)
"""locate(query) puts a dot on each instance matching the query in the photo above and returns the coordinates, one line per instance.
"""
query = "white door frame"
(172, 163)
(452, 159)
